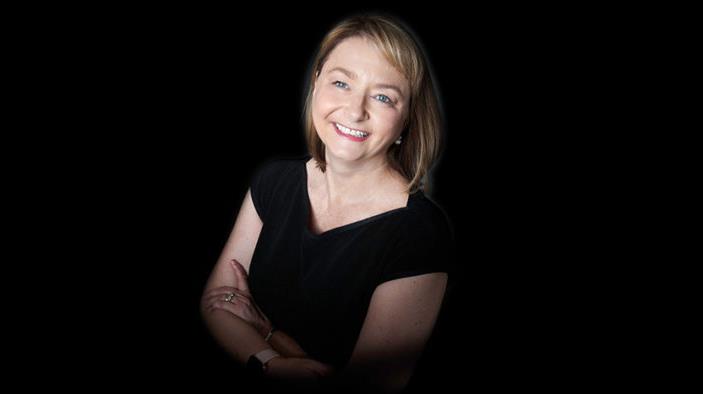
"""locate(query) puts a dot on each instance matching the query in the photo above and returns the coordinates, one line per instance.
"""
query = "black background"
(171, 110)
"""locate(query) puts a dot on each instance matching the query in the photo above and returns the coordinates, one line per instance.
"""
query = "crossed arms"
(399, 321)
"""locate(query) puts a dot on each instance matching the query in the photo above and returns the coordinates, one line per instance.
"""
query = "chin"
(342, 153)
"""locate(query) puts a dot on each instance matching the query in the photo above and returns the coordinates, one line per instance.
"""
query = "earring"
(399, 140)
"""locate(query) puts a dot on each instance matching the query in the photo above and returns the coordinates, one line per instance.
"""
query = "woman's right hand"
(297, 369)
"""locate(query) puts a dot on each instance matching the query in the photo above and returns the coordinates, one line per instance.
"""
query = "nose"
(356, 108)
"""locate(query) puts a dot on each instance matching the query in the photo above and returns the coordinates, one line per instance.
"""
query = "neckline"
(348, 226)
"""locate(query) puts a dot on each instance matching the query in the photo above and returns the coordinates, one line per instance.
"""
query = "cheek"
(321, 109)
(316, 100)
(392, 120)
(324, 100)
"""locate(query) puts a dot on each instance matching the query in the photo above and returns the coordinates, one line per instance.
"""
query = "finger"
(218, 290)
(242, 278)
(324, 369)
(234, 309)
(225, 297)
(225, 290)
(261, 313)
(240, 296)
(221, 292)
(210, 301)
(237, 298)
(225, 306)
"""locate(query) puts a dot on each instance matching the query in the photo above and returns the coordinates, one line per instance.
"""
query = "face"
(359, 102)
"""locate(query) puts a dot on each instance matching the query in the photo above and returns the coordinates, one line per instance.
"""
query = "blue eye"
(384, 99)
(340, 84)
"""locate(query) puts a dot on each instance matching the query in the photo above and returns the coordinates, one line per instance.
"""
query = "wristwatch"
(258, 362)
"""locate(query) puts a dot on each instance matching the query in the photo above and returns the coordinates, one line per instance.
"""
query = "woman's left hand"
(238, 301)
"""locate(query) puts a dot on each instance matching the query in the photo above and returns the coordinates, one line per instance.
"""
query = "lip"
(351, 137)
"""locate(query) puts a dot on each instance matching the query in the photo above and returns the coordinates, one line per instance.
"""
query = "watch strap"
(266, 355)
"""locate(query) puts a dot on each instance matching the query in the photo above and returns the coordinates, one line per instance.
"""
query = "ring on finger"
(229, 298)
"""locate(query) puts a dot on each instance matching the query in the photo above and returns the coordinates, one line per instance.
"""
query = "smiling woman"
(376, 63)
(335, 272)
(356, 92)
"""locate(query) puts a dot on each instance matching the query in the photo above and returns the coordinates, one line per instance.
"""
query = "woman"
(337, 265)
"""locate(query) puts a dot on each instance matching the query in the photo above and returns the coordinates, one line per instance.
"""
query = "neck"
(353, 182)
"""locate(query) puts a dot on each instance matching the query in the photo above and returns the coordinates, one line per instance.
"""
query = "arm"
(235, 335)
(286, 345)
(240, 245)
(400, 320)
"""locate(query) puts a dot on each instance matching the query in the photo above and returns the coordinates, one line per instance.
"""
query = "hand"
(298, 369)
(240, 304)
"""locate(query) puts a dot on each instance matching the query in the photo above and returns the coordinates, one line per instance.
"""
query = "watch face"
(255, 365)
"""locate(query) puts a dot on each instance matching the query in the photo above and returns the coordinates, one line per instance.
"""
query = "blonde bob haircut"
(422, 138)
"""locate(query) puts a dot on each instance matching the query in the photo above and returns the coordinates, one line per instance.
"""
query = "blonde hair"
(422, 138)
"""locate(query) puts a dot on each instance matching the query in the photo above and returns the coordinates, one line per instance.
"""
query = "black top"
(317, 287)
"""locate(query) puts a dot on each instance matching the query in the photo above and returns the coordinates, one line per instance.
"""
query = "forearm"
(235, 335)
(350, 379)
(313, 374)
(298, 371)
(241, 340)
(286, 345)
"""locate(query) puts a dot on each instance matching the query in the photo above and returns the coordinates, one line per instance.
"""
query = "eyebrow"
(352, 75)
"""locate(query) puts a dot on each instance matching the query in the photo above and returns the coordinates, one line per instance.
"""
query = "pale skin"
(353, 89)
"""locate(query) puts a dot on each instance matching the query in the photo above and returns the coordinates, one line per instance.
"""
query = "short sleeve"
(262, 185)
(426, 245)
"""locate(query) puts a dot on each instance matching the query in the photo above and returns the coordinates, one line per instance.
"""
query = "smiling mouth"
(356, 135)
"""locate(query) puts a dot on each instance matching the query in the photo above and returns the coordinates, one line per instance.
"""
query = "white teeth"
(355, 133)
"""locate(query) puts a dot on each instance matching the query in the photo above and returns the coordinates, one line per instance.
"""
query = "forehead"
(361, 56)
